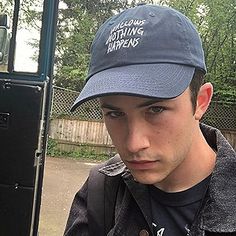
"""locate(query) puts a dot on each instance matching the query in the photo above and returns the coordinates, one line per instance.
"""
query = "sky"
(24, 52)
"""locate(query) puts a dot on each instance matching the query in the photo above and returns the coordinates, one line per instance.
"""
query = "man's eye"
(156, 109)
(114, 114)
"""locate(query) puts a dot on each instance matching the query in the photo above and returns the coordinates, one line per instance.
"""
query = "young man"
(172, 176)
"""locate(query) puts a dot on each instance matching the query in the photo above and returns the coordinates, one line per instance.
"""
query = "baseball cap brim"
(161, 80)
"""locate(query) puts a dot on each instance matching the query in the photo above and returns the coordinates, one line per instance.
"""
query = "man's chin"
(146, 178)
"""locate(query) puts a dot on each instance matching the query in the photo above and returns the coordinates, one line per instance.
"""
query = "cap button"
(151, 14)
(143, 232)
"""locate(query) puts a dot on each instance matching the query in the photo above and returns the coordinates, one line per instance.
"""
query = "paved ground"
(62, 179)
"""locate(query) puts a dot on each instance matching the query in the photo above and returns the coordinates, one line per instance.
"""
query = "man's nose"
(137, 137)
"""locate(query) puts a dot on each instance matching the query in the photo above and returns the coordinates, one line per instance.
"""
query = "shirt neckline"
(181, 198)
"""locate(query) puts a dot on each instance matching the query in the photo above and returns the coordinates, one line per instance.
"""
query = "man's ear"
(203, 100)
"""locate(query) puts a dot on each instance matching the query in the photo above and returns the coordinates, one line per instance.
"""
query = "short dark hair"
(195, 86)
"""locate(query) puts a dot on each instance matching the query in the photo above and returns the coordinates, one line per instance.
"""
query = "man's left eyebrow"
(150, 102)
(108, 106)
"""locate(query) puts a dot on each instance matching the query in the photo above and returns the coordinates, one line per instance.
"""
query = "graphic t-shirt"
(173, 213)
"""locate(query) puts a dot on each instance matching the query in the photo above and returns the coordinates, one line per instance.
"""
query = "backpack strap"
(102, 191)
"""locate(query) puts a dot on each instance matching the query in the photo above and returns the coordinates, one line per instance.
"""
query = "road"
(62, 179)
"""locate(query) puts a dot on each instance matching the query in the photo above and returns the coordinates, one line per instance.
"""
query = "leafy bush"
(83, 153)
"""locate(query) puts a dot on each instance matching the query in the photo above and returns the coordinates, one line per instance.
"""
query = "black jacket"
(132, 214)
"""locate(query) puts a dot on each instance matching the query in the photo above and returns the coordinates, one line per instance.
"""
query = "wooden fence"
(72, 134)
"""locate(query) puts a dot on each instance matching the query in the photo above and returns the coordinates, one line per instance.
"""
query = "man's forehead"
(114, 101)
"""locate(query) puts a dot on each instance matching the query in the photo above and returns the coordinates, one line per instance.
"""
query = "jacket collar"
(113, 168)
(139, 191)
(218, 214)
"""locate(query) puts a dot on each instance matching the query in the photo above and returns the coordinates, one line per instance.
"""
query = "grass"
(84, 153)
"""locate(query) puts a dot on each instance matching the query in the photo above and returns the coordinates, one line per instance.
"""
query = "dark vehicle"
(25, 99)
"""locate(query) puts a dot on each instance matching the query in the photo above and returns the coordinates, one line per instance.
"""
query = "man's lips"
(141, 164)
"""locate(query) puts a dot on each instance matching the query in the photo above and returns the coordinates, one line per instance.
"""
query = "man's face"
(153, 137)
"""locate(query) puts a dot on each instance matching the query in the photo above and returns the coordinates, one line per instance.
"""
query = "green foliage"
(216, 23)
(77, 24)
(79, 20)
(83, 153)
(30, 12)
(52, 148)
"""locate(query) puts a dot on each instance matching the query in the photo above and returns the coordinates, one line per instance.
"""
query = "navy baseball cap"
(148, 50)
